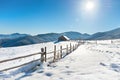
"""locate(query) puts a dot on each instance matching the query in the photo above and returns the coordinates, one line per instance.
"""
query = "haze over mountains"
(112, 34)
(17, 39)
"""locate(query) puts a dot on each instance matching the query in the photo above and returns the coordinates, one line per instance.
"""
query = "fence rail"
(20, 57)
(18, 65)
(57, 54)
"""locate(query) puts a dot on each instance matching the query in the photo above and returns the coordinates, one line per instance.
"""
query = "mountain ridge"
(18, 39)
(112, 34)
(12, 36)
(48, 37)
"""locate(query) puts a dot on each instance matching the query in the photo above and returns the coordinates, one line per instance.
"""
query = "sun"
(89, 6)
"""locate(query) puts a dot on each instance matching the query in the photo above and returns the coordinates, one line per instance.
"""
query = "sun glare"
(88, 9)
(89, 6)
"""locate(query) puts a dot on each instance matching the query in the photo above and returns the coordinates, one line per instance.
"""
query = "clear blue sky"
(44, 16)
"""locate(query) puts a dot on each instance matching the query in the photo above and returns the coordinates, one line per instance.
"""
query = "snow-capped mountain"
(24, 39)
(39, 39)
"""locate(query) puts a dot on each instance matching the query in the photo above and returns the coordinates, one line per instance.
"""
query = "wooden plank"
(19, 57)
(56, 51)
(18, 65)
(61, 51)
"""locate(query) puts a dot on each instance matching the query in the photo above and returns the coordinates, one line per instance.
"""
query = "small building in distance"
(63, 38)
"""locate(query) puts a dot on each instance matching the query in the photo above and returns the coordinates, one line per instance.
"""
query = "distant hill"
(112, 34)
(12, 36)
(28, 39)
(17, 39)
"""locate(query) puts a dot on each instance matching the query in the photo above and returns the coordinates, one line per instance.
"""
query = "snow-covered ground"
(99, 61)
(13, 52)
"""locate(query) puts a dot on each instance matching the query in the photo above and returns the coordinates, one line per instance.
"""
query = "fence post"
(60, 51)
(73, 47)
(42, 55)
(67, 49)
(58, 55)
(54, 53)
(45, 54)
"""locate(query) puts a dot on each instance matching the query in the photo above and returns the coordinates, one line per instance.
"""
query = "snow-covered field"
(13, 52)
(99, 61)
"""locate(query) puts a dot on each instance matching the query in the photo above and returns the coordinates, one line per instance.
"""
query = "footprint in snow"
(115, 67)
(66, 66)
(61, 78)
(107, 51)
(40, 71)
(68, 72)
(118, 53)
(48, 74)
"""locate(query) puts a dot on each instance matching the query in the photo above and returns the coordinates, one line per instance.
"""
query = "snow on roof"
(63, 38)
(66, 37)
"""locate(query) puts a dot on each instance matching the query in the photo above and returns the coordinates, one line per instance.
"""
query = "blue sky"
(44, 16)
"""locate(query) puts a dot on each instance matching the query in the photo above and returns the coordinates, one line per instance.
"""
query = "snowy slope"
(13, 52)
(99, 61)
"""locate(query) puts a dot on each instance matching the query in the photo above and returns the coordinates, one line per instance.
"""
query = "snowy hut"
(63, 38)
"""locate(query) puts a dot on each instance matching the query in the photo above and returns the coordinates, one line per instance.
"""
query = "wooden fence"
(57, 54)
